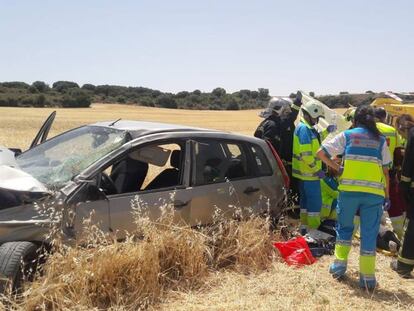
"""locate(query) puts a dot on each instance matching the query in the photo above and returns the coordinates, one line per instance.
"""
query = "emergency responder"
(306, 167)
(405, 264)
(397, 208)
(278, 127)
(329, 191)
(366, 159)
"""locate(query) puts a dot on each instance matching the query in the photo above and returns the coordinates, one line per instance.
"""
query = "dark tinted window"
(219, 161)
(261, 162)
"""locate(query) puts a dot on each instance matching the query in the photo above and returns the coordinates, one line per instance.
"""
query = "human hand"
(331, 128)
(321, 174)
(387, 204)
(340, 170)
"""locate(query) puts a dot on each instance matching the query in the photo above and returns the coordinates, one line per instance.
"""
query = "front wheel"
(17, 263)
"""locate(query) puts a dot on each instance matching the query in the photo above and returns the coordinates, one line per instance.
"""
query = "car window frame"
(256, 167)
(183, 177)
(244, 148)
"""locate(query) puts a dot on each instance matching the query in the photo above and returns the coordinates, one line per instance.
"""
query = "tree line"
(70, 94)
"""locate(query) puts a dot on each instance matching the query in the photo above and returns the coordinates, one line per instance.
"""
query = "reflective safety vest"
(391, 136)
(362, 162)
(305, 164)
(330, 193)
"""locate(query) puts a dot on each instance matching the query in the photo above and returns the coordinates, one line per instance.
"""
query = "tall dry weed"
(160, 256)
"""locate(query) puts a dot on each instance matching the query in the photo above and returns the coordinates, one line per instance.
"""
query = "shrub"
(41, 86)
(219, 92)
(89, 87)
(233, 106)
(166, 101)
(15, 85)
(76, 98)
(62, 86)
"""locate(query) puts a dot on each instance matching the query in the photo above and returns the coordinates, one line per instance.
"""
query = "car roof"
(140, 128)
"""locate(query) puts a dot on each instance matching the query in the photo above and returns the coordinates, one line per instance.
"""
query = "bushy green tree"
(41, 86)
(89, 87)
(15, 85)
(62, 86)
(166, 101)
(76, 98)
(219, 92)
(263, 93)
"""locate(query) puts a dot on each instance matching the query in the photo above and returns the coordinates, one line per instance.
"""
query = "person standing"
(277, 128)
(306, 167)
(397, 208)
(363, 186)
(405, 263)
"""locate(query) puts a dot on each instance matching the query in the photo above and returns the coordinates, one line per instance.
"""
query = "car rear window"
(263, 167)
(220, 161)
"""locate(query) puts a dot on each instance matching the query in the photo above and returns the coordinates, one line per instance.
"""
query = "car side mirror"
(16, 151)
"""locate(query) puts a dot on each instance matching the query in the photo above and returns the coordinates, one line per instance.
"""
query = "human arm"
(387, 181)
(331, 148)
(271, 132)
(325, 158)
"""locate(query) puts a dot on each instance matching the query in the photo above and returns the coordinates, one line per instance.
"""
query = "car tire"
(15, 258)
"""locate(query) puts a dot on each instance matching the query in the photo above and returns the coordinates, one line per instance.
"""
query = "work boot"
(337, 270)
(405, 274)
(367, 284)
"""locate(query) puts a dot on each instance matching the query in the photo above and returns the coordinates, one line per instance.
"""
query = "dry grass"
(18, 126)
(181, 269)
(137, 273)
(286, 288)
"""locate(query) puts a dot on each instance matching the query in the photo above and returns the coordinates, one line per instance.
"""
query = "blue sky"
(320, 45)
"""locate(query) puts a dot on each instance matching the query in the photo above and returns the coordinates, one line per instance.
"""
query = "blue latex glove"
(321, 174)
(341, 170)
(386, 205)
(331, 128)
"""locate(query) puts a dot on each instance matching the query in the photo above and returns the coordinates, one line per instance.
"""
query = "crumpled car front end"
(21, 197)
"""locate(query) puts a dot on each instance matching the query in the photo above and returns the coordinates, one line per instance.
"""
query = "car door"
(218, 180)
(44, 130)
(268, 175)
(157, 192)
(89, 207)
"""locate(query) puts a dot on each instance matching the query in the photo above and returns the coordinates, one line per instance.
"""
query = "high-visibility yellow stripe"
(367, 264)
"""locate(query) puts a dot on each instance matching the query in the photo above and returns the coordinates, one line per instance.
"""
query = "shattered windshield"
(58, 160)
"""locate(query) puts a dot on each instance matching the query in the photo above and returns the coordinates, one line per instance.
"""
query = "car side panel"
(126, 209)
(91, 212)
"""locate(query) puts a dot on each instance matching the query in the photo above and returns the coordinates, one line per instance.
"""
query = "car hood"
(16, 186)
(14, 179)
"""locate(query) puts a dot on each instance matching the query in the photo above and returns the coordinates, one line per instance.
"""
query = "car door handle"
(180, 204)
(249, 190)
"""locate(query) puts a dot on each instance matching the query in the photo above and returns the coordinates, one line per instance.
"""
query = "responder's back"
(363, 170)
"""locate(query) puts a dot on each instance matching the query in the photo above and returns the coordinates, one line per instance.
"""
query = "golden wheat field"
(267, 286)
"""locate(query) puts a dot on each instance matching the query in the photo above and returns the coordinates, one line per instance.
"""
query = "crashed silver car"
(103, 168)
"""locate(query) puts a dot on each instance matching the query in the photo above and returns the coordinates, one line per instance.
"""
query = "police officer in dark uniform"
(278, 127)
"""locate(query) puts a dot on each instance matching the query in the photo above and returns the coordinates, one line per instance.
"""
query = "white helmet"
(276, 104)
(314, 109)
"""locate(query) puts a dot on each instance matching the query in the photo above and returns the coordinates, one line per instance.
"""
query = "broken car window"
(59, 159)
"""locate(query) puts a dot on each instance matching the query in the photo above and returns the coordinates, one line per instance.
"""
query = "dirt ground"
(280, 288)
